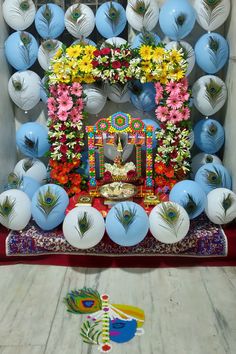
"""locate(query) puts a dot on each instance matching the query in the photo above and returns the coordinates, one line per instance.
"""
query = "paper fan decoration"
(79, 20)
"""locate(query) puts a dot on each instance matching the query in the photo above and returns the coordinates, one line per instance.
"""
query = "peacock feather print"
(84, 223)
(26, 40)
(24, 5)
(214, 179)
(171, 217)
(190, 204)
(83, 301)
(75, 13)
(112, 15)
(7, 208)
(226, 203)
(14, 181)
(31, 145)
(27, 164)
(214, 93)
(126, 216)
(105, 322)
(47, 201)
(211, 10)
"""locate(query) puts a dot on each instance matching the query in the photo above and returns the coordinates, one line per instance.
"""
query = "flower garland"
(65, 110)
(172, 162)
(172, 101)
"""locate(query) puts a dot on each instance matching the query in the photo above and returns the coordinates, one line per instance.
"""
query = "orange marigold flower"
(160, 167)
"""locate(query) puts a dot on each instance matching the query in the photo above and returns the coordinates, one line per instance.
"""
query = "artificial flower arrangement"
(83, 63)
(116, 65)
(172, 101)
(172, 162)
(65, 111)
(120, 172)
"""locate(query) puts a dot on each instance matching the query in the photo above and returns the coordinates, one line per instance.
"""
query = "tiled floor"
(188, 311)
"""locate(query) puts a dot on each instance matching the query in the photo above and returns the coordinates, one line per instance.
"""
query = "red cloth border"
(124, 262)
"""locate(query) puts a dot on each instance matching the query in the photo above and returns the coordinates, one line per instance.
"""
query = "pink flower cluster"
(66, 102)
(172, 100)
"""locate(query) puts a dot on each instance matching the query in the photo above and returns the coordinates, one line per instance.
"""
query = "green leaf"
(88, 334)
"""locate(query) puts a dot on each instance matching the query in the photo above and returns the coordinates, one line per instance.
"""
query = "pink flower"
(80, 104)
(52, 104)
(171, 86)
(65, 102)
(175, 116)
(162, 113)
(53, 90)
(174, 102)
(63, 89)
(184, 96)
(185, 113)
(76, 89)
(75, 115)
(159, 92)
(184, 83)
(63, 115)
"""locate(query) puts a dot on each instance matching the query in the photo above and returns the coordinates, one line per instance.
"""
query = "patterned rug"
(204, 239)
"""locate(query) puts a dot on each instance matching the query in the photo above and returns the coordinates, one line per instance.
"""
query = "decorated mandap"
(131, 141)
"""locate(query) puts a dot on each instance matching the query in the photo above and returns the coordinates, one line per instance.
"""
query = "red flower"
(116, 64)
(63, 139)
(95, 63)
(63, 149)
(131, 174)
(105, 51)
(107, 176)
(96, 53)
(125, 63)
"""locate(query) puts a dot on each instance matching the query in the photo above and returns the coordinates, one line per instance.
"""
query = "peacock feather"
(89, 333)
(27, 164)
(180, 20)
(47, 14)
(126, 216)
(113, 15)
(76, 13)
(25, 38)
(214, 44)
(14, 181)
(49, 45)
(213, 92)
(84, 223)
(209, 159)
(47, 201)
(190, 205)
(7, 208)
(83, 301)
(170, 214)
(31, 145)
(147, 38)
(24, 5)
(212, 129)
(214, 178)
(211, 4)
(140, 7)
(17, 84)
(227, 202)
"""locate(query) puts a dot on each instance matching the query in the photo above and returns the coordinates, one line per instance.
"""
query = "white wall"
(7, 123)
(230, 115)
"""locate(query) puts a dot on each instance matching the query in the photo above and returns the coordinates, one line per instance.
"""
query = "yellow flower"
(88, 79)
(89, 49)
(158, 54)
(58, 54)
(85, 65)
(175, 55)
(57, 67)
(74, 51)
(146, 66)
(145, 52)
